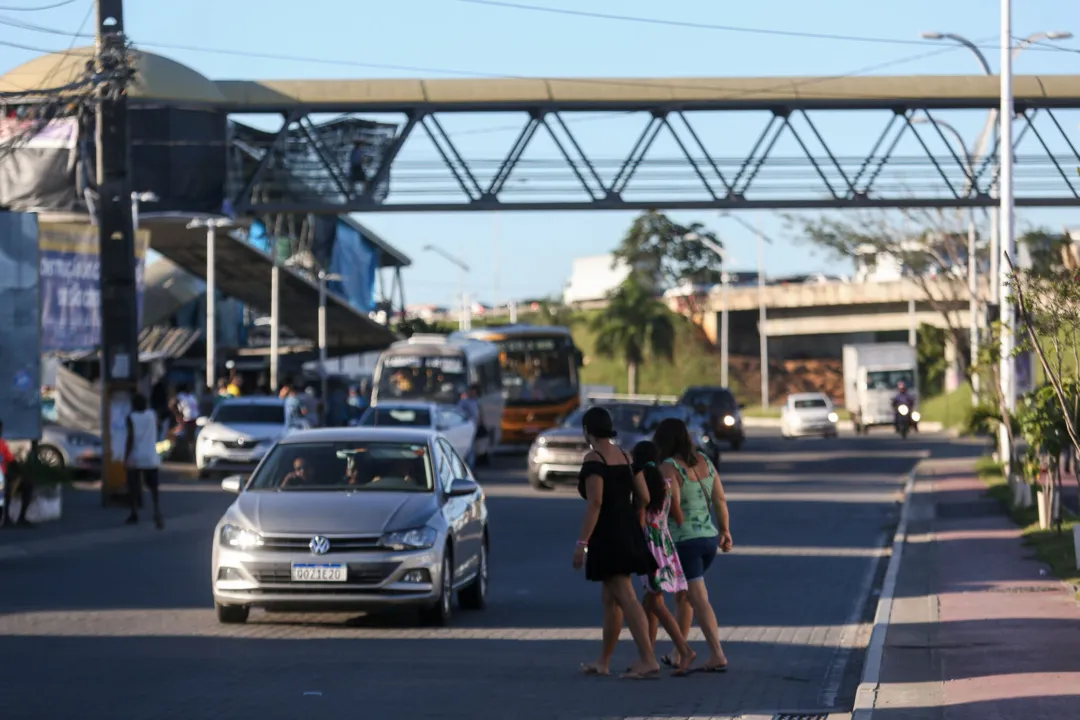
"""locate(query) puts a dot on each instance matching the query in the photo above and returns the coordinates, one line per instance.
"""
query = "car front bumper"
(224, 460)
(373, 580)
(814, 428)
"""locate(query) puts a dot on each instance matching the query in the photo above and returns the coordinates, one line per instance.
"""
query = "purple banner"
(70, 290)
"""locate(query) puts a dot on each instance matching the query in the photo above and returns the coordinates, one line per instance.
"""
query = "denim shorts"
(696, 556)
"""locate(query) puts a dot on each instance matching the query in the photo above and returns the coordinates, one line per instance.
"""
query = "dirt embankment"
(786, 377)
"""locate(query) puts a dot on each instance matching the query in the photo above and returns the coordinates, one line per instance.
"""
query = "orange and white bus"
(540, 376)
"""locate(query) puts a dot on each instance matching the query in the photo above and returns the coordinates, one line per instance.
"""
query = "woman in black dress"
(612, 544)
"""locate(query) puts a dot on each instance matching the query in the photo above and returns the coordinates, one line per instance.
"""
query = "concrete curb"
(866, 695)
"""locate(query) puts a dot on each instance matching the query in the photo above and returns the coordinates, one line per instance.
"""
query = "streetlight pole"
(211, 225)
(1008, 250)
(324, 277)
(991, 128)
(763, 328)
(973, 278)
(136, 198)
(722, 254)
(464, 322)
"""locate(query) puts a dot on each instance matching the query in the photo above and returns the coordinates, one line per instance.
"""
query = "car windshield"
(537, 370)
(723, 399)
(397, 417)
(624, 417)
(657, 414)
(440, 379)
(243, 413)
(345, 466)
(889, 379)
(809, 403)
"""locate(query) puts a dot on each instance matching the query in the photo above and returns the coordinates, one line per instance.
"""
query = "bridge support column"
(953, 378)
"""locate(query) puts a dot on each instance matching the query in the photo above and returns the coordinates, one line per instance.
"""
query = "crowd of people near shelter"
(660, 514)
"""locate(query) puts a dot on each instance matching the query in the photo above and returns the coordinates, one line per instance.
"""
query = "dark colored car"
(555, 457)
(721, 408)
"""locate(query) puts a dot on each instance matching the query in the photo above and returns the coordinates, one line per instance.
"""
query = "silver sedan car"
(353, 519)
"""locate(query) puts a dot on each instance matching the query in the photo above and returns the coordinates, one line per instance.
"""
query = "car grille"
(245, 444)
(359, 543)
(359, 574)
(576, 446)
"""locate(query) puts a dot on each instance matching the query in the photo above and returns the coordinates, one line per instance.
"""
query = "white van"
(438, 369)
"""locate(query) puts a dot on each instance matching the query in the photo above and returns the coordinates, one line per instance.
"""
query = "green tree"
(1045, 250)
(931, 247)
(663, 251)
(930, 347)
(418, 326)
(635, 327)
(554, 312)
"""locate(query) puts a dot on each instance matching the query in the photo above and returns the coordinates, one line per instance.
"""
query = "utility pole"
(211, 225)
(763, 330)
(116, 243)
(1008, 245)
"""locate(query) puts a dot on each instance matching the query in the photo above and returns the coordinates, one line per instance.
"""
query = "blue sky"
(528, 254)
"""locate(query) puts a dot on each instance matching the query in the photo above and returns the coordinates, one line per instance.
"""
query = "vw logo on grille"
(319, 545)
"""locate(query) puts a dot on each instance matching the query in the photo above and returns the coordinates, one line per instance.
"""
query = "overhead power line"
(37, 8)
(705, 26)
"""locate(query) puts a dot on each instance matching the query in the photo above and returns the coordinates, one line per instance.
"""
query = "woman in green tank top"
(698, 537)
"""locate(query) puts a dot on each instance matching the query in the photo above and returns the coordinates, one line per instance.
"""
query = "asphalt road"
(118, 623)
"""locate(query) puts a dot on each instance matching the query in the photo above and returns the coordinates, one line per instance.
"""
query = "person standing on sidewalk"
(142, 459)
(8, 467)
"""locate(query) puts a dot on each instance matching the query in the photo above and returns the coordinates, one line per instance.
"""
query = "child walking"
(669, 578)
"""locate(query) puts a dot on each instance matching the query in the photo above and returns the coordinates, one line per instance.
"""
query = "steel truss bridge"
(911, 159)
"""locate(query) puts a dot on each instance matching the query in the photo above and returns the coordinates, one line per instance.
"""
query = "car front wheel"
(439, 614)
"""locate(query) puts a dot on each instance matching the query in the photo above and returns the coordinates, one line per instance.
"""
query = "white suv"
(240, 432)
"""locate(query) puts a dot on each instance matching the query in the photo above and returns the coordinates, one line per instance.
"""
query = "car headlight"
(541, 441)
(915, 416)
(239, 538)
(903, 409)
(415, 539)
(729, 420)
(833, 417)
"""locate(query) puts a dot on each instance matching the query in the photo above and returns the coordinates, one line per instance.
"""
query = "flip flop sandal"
(590, 670)
(667, 661)
(651, 675)
(715, 669)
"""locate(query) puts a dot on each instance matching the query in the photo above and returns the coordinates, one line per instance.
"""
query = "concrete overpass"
(368, 167)
(816, 320)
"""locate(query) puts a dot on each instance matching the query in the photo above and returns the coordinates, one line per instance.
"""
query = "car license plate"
(310, 572)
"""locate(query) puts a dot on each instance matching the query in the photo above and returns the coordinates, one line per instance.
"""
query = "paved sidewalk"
(86, 522)
(978, 631)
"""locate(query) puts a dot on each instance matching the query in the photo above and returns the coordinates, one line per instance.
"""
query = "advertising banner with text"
(70, 289)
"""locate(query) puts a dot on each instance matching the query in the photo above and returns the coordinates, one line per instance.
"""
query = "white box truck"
(871, 375)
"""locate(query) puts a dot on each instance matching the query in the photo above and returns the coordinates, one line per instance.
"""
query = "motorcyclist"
(902, 397)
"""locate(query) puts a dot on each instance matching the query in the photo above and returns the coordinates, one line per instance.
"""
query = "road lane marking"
(201, 623)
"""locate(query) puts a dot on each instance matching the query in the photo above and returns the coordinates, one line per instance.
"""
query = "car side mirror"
(463, 487)
(233, 484)
(201, 421)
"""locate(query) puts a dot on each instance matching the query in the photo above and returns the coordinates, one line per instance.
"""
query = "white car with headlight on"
(353, 519)
(808, 414)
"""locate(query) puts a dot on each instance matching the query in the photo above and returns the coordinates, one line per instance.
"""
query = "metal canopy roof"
(243, 272)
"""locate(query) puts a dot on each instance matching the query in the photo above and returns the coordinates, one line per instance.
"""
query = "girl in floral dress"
(669, 578)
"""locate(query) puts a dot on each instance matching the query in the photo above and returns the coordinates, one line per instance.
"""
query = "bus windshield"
(438, 378)
(538, 369)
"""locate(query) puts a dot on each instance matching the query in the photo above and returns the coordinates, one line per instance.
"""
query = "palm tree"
(634, 326)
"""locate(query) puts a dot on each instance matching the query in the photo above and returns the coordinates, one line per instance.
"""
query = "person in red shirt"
(9, 466)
